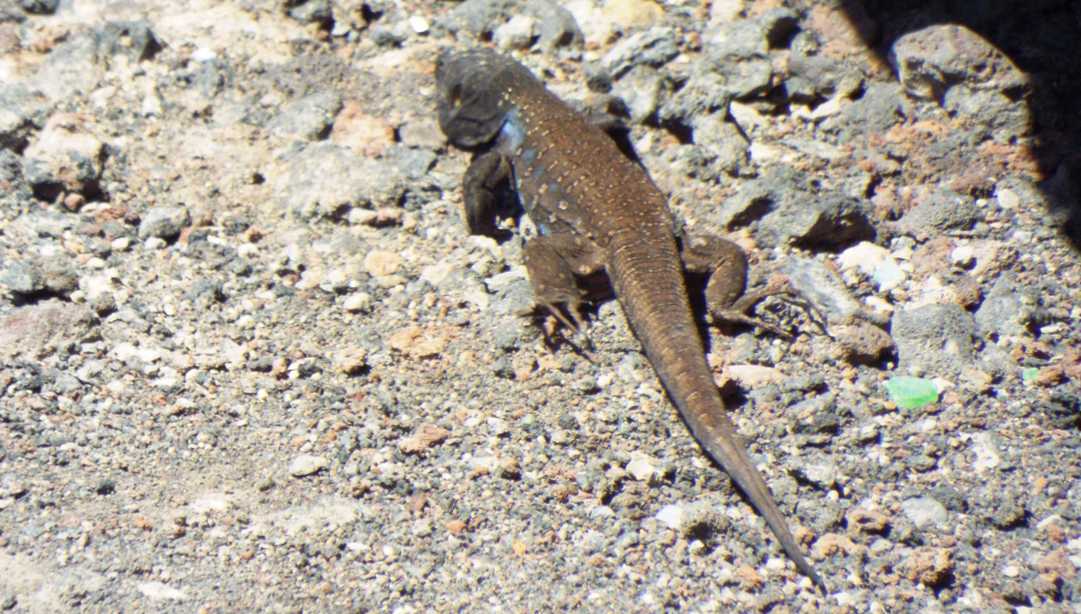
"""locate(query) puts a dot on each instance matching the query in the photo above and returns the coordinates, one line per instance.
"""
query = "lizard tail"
(715, 432)
(649, 281)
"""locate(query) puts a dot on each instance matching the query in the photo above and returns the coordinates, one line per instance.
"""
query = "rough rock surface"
(249, 360)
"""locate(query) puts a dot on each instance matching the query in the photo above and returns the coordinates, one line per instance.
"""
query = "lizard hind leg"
(726, 265)
(554, 263)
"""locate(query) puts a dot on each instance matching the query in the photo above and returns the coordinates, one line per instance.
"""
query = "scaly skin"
(595, 209)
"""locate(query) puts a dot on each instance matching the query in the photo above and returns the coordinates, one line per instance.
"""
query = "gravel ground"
(249, 360)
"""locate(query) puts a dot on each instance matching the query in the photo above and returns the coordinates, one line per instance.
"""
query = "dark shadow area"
(1043, 39)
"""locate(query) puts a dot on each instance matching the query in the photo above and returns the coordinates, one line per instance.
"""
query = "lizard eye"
(456, 96)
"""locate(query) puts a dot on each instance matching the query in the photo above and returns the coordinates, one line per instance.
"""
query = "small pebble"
(357, 302)
(925, 512)
(419, 24)
(381, 263)
(672, 516)
(306, 464)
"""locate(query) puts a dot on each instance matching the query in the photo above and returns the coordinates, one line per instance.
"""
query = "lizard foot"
(780, 288)
(554, 318)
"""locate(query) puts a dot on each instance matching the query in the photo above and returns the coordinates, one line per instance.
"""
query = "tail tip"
(808, 571)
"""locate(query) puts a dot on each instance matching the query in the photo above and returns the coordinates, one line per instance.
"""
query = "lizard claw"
(572, 323)
(735, 315)
(553, 316)
(783, 290)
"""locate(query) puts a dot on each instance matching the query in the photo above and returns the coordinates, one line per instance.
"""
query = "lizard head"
(471, 109)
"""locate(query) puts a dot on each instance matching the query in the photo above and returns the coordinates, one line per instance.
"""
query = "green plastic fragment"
(911, 392)
(1029, 374)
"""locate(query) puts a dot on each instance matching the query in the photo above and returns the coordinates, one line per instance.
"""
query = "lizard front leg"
(485, 186)
(726, 265)
(555, 262)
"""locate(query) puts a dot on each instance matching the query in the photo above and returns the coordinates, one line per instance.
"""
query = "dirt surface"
(250, 361)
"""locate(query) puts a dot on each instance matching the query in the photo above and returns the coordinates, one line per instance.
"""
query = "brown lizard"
(596, 210)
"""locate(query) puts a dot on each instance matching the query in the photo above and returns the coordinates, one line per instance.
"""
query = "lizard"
(598, 211)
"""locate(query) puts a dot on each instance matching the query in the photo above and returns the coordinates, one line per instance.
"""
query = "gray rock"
(69, 69)
(422, 132)
(164, 222)
(800, 89)
(66, 157)
(812, 76)
(672, 516)
(20, 110)
(942, 210)
(133, 39)
(1005, 509)
(1008, 310)
(1063, 192)
(209, 78)
(59, 276)
(985, 447)
(692, 161)
(309, 118)
(652, 47)
(999, 111)
(390, 36)
(881, 107)
(512, 298)
(640, 89)
(739, 52)
(746, 78)
(779, 25)
(38, 330)
(78, 65)
(863, 342)
(54, 275)
(326, 180)
(591, 541)
(934, 61)
(703, 92)
(724, 148)
(414, 163)
(310, 11)
(65, 383)
(1013, 191)
(821, 471)
(815, 421)
(11, 13)
(518, 33)
(306, 464)
(934, 340)
(22, 279)
(925, 512)
(16, 197)
(732, 41)
(555, 25)
(788, 211)
(507, 338)
(102, 304)
(823, 287)
(477, 17)
(39, 7)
